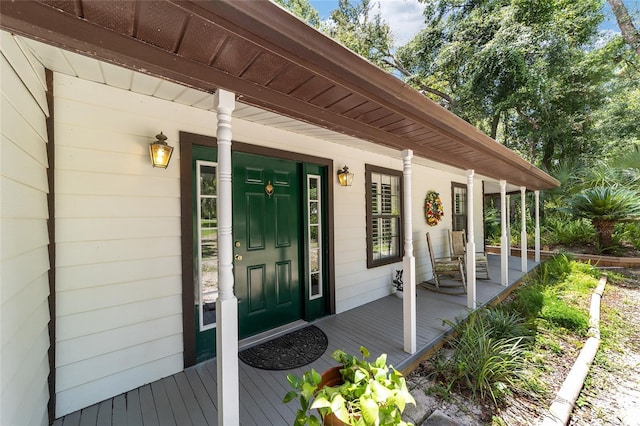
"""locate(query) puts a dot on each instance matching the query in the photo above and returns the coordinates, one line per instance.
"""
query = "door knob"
(238, 257)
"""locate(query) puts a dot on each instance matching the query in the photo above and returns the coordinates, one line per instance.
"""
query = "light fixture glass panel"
(160, 152)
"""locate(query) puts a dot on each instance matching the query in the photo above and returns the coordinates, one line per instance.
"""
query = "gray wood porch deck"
(190, 397)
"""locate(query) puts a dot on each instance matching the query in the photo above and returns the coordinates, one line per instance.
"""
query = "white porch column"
(408, 261)
(537, 234)
(226, 304)
(471, 245)
(523, 231)
(504, 240)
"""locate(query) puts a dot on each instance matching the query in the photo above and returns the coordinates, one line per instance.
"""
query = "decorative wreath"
(433, 210)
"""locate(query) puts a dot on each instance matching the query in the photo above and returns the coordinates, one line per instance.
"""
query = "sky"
(405, 16)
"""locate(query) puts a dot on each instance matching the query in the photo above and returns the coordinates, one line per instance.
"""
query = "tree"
(526, 72)
(605, 206)
(303, 10)
(517, 69)
(628, 29)
(616, 123)
(359, 28)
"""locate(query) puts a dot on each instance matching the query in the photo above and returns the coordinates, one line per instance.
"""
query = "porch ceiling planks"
(273, 61)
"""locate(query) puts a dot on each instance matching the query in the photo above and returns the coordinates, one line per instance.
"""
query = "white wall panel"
(24, 306)
(108, 296)
(25, 268)
(84, 252)
(28, 71)
(118, 276)
(30, 141)
(24, 286)
(98, 229)
(99, 320)
(78, 206)
(88, 183)
(86, 394)
(110, 341)
(19, 166)
(26, 202)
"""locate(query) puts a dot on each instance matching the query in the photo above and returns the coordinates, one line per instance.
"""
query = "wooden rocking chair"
(458, 247)
(450, 266)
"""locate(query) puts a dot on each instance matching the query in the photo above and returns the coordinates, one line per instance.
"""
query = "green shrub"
(561, 230)
(506, 325)
(585, 268)
(628, 233)
(484, 362)
(559, 313)
(554, 269)
(527, 301)
(492, 229)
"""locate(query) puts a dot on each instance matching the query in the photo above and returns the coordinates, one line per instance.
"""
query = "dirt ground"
(612, 392)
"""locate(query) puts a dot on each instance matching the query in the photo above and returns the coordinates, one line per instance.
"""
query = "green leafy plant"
(506, 325)
(605, 206)
(373, 393)
(555, 269)
(485, 359)
(566, 231)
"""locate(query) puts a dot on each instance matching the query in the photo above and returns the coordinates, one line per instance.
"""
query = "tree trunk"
(494, 125)
(629, 31)
(604, 229)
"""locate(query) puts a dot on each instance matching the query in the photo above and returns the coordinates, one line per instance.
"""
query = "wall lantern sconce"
(160, 152)
(345, 178)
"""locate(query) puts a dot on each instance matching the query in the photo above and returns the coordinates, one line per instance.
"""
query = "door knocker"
(269, 189)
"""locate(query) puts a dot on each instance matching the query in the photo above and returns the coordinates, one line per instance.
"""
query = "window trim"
(455, 185)
(371, 263)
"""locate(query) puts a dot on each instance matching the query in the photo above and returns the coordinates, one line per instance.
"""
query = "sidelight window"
(314, 235)
(207, 227)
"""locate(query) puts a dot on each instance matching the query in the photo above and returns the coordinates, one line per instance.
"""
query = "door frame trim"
(187, 140)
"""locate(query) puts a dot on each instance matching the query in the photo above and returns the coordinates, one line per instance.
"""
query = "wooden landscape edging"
(594, 259)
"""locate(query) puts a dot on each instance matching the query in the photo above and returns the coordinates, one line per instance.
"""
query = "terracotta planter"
(332, 377)
(331, 420)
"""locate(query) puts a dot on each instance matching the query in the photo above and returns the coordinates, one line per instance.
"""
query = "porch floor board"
(190, 396)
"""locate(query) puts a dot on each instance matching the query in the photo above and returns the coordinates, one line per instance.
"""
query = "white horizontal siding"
(100, 320)
(118, 275)
(87, 394)
(24, 268)
(85, 252)
(84, 371)
(89, 183)
(24, 261)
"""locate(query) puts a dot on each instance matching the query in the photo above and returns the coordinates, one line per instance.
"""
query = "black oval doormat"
(292, 350)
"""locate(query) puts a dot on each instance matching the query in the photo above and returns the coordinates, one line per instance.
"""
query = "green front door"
(266, 233)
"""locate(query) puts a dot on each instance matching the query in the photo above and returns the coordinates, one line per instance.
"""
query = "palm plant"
(605, 206)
